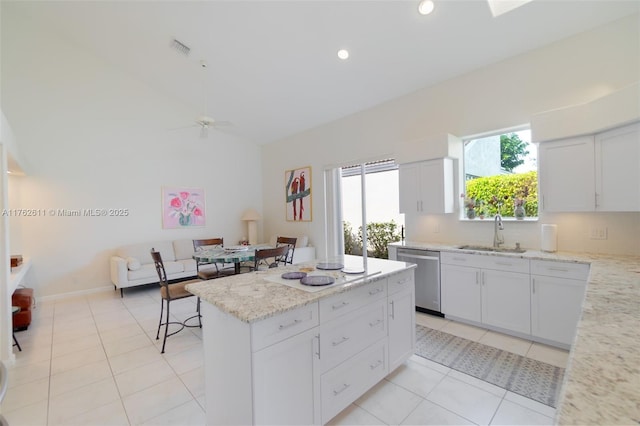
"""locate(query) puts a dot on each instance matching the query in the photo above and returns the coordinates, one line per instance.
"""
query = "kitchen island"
(276, 352)
(602, 380)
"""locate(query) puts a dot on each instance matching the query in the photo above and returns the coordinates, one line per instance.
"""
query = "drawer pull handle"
(376, 291)
(504, 263)
(339, 391)
(551, 268)
(459, 259)
(373, 324)
(376, 365)
(342, 305)
(402, 281)
(341, 341)
(291, 324)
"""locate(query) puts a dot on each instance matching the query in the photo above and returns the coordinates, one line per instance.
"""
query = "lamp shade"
(251, 214)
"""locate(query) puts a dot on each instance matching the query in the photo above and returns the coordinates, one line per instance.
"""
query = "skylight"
(499, 7)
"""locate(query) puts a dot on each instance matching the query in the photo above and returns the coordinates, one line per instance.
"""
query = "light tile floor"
(94, 360)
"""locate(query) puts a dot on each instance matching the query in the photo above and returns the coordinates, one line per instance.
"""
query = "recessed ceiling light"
(343, 54)
(425, 7)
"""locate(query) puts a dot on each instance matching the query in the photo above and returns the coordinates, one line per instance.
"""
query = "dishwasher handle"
(415, 256)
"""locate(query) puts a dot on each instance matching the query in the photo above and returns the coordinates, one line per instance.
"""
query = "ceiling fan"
(204, 121)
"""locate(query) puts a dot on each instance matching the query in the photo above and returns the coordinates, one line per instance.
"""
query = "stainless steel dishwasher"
(427, 278)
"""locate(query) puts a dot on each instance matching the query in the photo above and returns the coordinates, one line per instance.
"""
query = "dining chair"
(270, 257)
(289, 242)
(168, 293)
(216, 271)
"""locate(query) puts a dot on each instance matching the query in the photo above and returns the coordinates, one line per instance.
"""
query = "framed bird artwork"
(298, 194)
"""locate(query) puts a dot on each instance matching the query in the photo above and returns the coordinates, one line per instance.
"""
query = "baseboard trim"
(75, 293)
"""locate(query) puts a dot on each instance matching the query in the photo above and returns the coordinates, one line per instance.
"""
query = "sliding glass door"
(357, 194)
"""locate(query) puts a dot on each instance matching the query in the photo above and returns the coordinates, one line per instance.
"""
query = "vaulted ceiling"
(273, 68)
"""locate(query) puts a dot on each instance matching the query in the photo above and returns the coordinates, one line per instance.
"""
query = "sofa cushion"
(149, 271)
(142, 251)
(302, 241)
(183, 249)
(133, 264)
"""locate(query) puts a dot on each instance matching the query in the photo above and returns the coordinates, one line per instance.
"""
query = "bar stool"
(15, 310)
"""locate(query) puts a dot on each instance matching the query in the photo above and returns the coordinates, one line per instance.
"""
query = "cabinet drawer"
(343, 303)
(401, 281)
(348, 335)
(277, 328)
(500, 263)
(505, 263)
(460, 259)
(348, 381)
(570, 270)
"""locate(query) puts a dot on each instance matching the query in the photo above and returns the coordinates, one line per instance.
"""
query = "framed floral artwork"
(183, 207)
(298, 194)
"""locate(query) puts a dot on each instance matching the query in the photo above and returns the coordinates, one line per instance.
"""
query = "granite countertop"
(602, 380)
(252, 297)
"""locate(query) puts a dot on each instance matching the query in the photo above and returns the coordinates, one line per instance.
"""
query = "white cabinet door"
(556, 304)
(409, 190)
(566, 174)
(426, 187)
(286, 385)
(402, 325)
(460, 287)
(506, 300)
(617, 168)
(437, 186)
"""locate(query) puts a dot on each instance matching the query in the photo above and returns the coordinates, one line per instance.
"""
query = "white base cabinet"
(488, 290)
(401, 310)
(292, 365)
(306, 365)
(537, 299)
(505, 300)
(460, 289)
(557, 294)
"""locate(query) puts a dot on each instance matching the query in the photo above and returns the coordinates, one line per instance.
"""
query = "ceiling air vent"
(180, 47)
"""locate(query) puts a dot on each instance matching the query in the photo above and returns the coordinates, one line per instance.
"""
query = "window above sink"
(500, 176)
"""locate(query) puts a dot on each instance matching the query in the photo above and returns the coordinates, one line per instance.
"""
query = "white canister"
(549, 238)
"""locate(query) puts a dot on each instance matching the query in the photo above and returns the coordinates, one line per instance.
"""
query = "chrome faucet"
(498, 238)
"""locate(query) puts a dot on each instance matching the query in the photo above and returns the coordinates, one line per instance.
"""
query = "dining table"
(234, 254)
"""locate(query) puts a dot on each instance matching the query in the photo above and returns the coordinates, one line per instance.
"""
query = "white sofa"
(303, 252)
(132, 265)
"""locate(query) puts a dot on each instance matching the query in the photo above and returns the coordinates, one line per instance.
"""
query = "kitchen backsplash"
(577, 232)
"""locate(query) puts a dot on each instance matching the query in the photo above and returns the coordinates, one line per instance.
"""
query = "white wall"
(97, 138)
(506, 94)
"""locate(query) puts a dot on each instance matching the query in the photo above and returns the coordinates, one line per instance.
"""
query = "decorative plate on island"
(330, 266)
(317, 280)
(353, 270)
(293, 275)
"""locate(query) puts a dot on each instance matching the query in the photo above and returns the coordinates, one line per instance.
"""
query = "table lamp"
(251, 216)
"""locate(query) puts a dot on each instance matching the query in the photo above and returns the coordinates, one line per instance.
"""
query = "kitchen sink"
(495, 249)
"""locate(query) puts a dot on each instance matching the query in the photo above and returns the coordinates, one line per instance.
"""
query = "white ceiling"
(273, 69)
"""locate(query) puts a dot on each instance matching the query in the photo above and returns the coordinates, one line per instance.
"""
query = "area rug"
(525, 376)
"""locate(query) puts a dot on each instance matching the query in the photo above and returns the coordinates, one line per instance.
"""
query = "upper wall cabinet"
(426, 187)
(617, 171)
(567, 182)
(599, 172)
